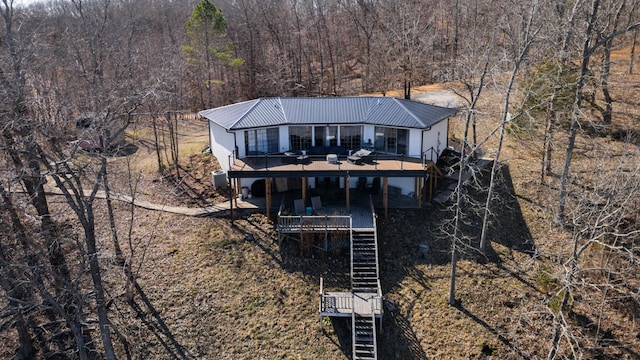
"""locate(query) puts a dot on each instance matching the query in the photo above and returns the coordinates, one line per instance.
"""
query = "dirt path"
(181, 210)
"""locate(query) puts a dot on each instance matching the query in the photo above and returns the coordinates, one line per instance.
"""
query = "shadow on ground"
(399, 238)
(402, 233)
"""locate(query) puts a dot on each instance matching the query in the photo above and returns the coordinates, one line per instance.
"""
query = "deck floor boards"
(319, 163)
(343, 304)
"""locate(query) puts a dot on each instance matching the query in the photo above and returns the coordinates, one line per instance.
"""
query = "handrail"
(351, 250)
(313, 221)
(375, 340)
(281, 207)
(353, 334)
(375, 239)
(373, 209)
(432, 151)
(320, 306)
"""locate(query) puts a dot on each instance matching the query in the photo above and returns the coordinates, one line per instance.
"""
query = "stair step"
(365, 351)
(371, 257)
(364, 340)
(367, 290)
(365, 273)
(360, 348)
(365, 356)
(368, 351)
(365, 284)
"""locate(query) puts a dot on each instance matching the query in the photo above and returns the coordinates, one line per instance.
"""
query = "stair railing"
(321, 304)
(351, 248)
(375, 237)
(375, 338)
(353, 334)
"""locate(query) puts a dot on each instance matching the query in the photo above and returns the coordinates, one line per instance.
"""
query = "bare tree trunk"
(96, 277)
(548, 144)
(558, 319)
(75, 323)
(632, 55)
(172, 126)
(15, 294)
(604, 83)
(112, 220)
(550, 128)
(457, 232)
(528, 40)
(454, 264)
(157, 142)
(577, 110)
(82, 205)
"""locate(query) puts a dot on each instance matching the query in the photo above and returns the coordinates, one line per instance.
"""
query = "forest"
(549, 91)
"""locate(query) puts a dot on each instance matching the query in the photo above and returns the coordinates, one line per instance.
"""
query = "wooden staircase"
(364, 262)
(365, 284)
(364, 337)
(364, 303)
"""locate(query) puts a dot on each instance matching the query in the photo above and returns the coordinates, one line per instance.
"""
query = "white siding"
(414, 143)
(407, 185)
(221, 143)
(436, 138)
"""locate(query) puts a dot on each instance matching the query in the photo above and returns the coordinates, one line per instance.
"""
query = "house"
(334, 138)
(343, 143)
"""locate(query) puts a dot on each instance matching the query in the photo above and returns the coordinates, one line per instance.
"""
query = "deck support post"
(346, 191)
(267, 183)
(304, 189)
(420, 182)
(385, 196)
(326, 234)
(231, 194)
(430, 185)
(237, 190)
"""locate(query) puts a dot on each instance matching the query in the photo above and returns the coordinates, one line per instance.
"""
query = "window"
(392, 140)
(300, 137)
(262, 141)
(319, 133)
(351, 137)
(326, 136)
(332, 135)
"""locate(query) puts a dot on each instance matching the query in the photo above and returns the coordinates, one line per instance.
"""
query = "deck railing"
(269, 161)
(430, 155)
(313, 222)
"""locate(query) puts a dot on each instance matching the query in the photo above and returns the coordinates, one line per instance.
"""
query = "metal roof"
(384, 111)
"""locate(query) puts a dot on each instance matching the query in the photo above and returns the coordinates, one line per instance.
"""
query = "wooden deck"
(336, 218)
(344, 304)
(274, 164)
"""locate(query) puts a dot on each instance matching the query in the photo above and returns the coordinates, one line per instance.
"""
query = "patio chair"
(298, 206)
(362, 183)
(374, 188)
(316, 202)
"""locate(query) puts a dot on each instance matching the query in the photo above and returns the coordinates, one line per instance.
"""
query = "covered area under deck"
(424, 174)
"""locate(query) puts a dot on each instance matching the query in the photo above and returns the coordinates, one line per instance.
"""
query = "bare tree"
(590, 45)
(601, 265)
